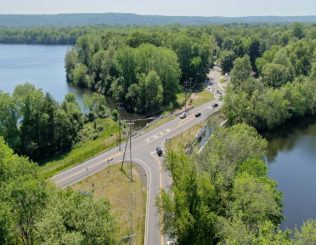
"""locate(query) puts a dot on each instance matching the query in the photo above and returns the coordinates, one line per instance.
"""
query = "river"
(292, 163)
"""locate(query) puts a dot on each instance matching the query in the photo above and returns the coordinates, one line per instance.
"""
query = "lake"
(292, 163)
(40, 65)
(43, 66)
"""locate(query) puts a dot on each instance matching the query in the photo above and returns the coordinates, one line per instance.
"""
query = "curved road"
(144, 155)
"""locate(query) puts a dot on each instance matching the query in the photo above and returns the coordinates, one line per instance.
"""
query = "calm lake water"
(40, 65)
(292, 163)
(43, 66)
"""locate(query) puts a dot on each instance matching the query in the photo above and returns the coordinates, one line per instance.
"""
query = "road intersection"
(144, 156)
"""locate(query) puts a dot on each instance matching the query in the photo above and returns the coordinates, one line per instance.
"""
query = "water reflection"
(43, 66)
(292, 163)
(285, 137)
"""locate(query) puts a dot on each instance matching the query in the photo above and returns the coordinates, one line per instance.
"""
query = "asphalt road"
(144, 155)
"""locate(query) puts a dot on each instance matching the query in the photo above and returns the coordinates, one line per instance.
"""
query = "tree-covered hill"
(124, 19)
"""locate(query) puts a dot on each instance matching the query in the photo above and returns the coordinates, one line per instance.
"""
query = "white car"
(170, 243)
(183, 115)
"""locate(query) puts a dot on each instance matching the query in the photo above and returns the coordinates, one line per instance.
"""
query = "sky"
(163, 7)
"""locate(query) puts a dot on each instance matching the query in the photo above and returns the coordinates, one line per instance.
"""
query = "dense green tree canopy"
(35, 125)
(114, 63)
(286, 86)
(32, 212)
(224, 196)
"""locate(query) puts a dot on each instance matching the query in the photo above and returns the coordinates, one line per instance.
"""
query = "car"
(170, 242)
(159, 151)
(183, 115)
(215, 105)
(197, 114)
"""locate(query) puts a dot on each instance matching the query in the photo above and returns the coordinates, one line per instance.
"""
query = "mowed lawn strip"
(115, 186)
(202, 97)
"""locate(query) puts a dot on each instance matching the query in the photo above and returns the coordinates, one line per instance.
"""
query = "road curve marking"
(160, 184)
(147, 169)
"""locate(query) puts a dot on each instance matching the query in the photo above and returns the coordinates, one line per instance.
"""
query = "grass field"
(106, 139)
(202, 97)
(182, 140)
(115, 185)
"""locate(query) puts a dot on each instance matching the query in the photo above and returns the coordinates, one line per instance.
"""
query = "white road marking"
(86, 168)
(147, 169)
(161, 187)
(159, 135)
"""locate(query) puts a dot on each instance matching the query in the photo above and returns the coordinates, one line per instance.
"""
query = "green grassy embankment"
(93, 142)
(115, 186)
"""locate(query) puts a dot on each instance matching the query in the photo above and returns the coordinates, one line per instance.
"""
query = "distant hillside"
(113, 19)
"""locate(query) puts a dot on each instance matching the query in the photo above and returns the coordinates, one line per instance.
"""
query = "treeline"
(224, 196)
(130, 19)
(34, 212)
(141, 69)
(253, 41)
(277, 84)
(42, 35)
(35, 125)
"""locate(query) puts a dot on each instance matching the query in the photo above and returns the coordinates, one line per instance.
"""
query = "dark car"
(215, 105)
(197, 114)
(159, 151)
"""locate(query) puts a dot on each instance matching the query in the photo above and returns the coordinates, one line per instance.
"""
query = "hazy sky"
(163, 7)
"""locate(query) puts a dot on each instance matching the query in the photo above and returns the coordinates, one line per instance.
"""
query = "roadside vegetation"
(115, 185)
(35, 212)
(223, 195)
(93, 142)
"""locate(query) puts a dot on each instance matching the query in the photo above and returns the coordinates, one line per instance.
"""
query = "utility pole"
(119, 139)
(128, 136)
(131, 235)
(187, 92)
(130, 148)
(109, 160)
(118, 106)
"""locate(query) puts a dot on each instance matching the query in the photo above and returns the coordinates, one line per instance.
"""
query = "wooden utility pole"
(130, 148)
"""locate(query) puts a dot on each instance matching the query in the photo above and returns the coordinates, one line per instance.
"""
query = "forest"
(277, 85)
(224, 196)
(35, 125)
(141, 69)
(130, 19)
(34, 211)
(272, 68)
(221, 196)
